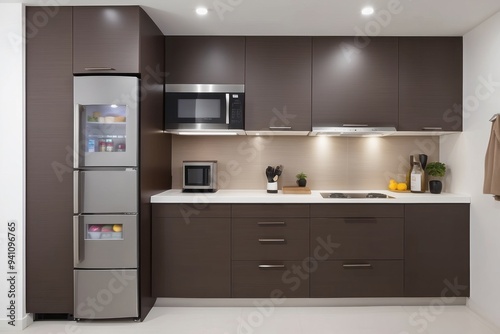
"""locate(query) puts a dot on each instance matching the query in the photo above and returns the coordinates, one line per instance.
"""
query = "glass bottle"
(417, 183)
(408, 175)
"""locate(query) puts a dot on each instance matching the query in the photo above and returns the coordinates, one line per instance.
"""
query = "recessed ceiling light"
(367, 11)
(201, 11)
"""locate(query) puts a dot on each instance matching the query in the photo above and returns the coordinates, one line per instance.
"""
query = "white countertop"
(261, 196)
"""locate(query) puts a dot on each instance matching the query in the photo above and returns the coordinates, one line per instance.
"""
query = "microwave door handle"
(227, 108)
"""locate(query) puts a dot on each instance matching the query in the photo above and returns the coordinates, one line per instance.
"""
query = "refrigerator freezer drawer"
(105, 241)
(106, 191)
(106, 294)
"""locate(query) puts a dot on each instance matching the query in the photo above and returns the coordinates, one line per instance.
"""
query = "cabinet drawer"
(357, 210)
(357, 238)
(266, 279)
(188, 211)
(270, 239)
(357, 279)
(270, 210)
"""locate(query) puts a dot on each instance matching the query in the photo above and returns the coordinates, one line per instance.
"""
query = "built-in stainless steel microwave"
(204, 108)
(199, 176)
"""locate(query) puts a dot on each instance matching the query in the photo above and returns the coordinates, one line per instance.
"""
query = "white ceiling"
(309, 17)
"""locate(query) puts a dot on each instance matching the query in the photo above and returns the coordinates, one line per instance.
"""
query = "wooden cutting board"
(296, 190)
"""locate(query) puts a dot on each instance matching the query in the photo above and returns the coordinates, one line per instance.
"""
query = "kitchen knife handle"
(99, 69)
(270, 223)
(275, 240)
(280, 128)
(271, 266)
(432, 128)
(356, 265)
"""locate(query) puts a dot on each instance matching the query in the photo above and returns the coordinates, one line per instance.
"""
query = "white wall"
(12, 159)
(466, 153)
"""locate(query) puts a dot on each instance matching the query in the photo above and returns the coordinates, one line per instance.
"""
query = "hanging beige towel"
(492, 162)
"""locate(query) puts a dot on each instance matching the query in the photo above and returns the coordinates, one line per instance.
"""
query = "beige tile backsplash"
(329, 162)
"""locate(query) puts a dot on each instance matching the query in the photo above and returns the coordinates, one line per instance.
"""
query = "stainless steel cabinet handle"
(357, 265)
(271, 266)
(280, 128)
(431, 128)
(280, 240)
(99, 69)
(270, 223)
(360, 220)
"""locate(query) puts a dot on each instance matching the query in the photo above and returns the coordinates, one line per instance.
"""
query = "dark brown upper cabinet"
(205, 60)
(106, 39)
(278, 83)
(430, 83)
(355, 81)
(437, 250)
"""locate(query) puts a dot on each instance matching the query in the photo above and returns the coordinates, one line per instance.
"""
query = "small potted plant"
(301, 179)
(437, 170)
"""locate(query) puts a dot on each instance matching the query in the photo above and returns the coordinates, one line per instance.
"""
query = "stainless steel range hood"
(352, 131)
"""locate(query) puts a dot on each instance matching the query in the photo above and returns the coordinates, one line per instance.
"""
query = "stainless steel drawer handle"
(360, 220)
(271, 266)
(280, 128)
(357, 265)
(270, 223)
(280, 240)
(99, 69)
(432, 128)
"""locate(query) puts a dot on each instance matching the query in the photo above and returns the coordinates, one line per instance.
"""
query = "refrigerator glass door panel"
(106, 191)
(106, 294)
(106, 121)
(106, 241)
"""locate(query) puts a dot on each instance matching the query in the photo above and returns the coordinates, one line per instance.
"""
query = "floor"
(435, 319)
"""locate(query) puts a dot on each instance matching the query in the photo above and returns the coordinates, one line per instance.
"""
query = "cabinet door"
(106, 39)
(192, 259)
(205, 60)
(49, 181)
(278, 83)
(355, 84)
(437, 250)
(430, 83)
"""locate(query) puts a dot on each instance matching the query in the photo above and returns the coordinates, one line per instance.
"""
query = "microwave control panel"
(236, 115)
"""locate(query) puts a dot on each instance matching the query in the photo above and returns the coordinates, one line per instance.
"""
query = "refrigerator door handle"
(76, 137)
(77, 243)
(76, 192)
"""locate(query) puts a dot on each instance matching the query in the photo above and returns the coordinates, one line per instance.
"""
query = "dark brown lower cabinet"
(270, 279)
(191, 256)
(437, 250)
(318, 251)
(361, 278)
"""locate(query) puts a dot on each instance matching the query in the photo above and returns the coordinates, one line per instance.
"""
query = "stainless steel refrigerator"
(106, 197)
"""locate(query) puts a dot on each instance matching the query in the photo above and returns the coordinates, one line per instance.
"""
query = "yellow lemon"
(392, 181)
(393, 186)
(117, 227)
(402, 186)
